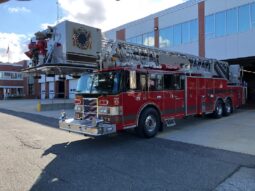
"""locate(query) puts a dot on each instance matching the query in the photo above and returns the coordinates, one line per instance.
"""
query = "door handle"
(159, 97)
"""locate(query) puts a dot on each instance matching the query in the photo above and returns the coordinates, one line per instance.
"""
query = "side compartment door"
(201, 96)
(179, 95)
(191, 96)
(210, 94)
(174, 95)
(168, 97)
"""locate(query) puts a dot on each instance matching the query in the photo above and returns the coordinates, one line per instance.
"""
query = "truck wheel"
(218, 111)
(149, 123)
(227, 109)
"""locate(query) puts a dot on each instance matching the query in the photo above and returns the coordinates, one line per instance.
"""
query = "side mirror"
(132, 80)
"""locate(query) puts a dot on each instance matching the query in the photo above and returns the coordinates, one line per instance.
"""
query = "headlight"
(78, 108)
(105, 110)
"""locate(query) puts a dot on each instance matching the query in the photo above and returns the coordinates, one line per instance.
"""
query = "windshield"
(99, 83)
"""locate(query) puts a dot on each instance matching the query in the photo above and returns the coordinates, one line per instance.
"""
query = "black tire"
(228, 108)
(218, 111)
(149, 123)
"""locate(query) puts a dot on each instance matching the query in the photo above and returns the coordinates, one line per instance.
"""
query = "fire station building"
(11, 80)
(223, 30)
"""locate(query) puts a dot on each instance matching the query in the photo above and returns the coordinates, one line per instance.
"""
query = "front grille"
(90, 108)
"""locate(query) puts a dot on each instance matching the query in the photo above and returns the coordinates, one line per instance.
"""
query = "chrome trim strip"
(129, 127)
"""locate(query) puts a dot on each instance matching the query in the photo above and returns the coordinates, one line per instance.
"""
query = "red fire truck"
(133, 86)
(148, 88)
(147, 99)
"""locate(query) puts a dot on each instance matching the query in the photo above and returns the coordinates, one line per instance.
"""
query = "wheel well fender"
(218, 99)
(228, 98)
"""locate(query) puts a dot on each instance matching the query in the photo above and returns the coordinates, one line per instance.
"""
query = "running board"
(170, 122)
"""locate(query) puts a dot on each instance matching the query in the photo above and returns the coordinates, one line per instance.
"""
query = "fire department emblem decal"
(82, 38)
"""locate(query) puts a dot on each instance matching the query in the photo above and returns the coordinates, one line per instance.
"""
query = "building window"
(220, 24)
(186, 32)
(166, 37)
(194, 30)
(244, 18)
(131, 40)
(30, 89)
(253, 15)
(136, 39)
(1, 75)
(148, 39)
(231, 21)
(209, 26)
(177, 34)
(139, 39)
(11, 76)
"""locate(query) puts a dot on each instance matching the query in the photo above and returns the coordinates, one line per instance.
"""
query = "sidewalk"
(30, 106)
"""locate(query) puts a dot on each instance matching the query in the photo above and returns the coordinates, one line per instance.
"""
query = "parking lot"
(234, 133)
(197, 154)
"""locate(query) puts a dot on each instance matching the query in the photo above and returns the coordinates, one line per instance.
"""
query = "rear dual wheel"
(218, 111)
(228, 108)
(222, 109)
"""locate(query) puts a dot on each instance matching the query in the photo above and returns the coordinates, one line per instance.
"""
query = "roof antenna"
(58, 15)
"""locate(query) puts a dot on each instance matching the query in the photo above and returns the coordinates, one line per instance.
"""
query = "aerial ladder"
(71, 49)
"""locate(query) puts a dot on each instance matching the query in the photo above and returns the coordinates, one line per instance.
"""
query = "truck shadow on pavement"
(126, 162)
(48, 121)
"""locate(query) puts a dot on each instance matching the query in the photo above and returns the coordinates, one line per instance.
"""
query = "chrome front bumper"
(87, 127)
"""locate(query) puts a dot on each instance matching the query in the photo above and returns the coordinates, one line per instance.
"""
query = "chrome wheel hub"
(219, 109)
(228, 108)
(150, 123)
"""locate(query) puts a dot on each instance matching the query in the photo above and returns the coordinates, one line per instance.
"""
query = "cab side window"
(155, 82)
(173, 82)
(141, 81)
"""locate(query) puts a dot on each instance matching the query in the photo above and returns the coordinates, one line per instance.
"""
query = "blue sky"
(19, 20)
(27, 16)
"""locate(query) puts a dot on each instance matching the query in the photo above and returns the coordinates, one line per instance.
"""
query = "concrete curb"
(56, 106)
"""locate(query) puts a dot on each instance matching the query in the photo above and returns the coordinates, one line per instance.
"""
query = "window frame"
(177, 82)
(156, 82)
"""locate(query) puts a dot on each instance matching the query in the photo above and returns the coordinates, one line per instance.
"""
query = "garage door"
(51, 90)
(43, 91)
(72, 88)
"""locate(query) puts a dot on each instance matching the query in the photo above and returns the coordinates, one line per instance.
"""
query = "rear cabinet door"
(201, 96)
(209, 95)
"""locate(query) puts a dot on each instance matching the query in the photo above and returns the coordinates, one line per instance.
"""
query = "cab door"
(155, 93)
(134, 99)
